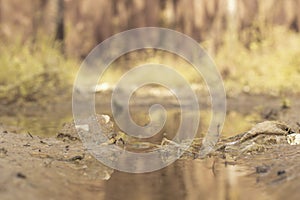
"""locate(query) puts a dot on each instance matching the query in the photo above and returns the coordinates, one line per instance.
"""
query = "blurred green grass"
(268, 62)
(265, 60)
(34, 71)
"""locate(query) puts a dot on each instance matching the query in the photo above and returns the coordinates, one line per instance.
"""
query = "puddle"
(41, 122)
(184, 179)
(49, 123)
(197, 179)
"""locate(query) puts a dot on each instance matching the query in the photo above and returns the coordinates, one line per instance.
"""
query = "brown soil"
(34, 167)
(47, 168)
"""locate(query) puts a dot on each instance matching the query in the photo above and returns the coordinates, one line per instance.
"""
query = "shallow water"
(50, 122)
(215, 178)
(184, 179)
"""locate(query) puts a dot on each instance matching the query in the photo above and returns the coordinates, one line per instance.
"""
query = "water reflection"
(50, 122)
(197, 179)
(41, 122)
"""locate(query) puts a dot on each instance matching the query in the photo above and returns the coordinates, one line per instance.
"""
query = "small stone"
(3, 152)
(280, 172)
(293, 139)
(106, 118)
(84, 127)
(262, 169)
(20, 175)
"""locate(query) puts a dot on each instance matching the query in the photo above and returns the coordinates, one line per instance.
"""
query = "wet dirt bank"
(47, 167)
(243, 110)
(34, 167)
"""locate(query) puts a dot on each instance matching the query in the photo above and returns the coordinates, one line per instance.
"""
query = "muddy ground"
(50, 167)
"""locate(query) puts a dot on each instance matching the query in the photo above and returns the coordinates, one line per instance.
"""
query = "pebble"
(293, 139)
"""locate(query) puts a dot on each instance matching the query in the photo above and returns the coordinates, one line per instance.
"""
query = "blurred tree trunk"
(60, 28)
(0, 12)
(60, 21)
(152, 14)
(298, 15)
(38, 9)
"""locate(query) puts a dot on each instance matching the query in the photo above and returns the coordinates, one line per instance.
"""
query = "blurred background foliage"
(255, 43)
(34, 71)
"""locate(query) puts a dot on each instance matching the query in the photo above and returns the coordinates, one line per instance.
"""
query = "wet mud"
(59, 167)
